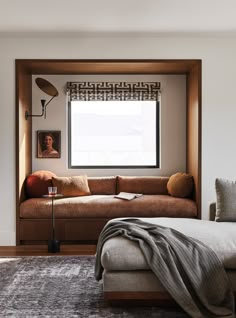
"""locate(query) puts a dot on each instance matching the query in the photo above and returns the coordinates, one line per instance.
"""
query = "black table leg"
(53, 245)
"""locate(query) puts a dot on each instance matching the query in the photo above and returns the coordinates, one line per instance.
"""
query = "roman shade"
(89, 91)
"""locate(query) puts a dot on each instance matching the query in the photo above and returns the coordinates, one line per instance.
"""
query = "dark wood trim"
(199, 168)
(25, 68)
(23, 135)
(116, 66)
(194, 130)
(41, 250)
(136, 295)
(130, 298)
(67, 230)
(17, 145)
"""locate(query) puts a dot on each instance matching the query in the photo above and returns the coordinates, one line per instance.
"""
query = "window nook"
(26, 68)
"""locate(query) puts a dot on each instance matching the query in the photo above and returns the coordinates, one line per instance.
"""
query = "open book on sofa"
(128, 196)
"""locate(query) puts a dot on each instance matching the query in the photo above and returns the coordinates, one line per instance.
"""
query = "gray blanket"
(190, 271)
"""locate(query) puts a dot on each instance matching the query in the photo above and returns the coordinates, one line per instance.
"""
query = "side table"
(53, 244)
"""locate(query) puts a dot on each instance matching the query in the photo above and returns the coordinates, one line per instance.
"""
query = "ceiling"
(118, 16)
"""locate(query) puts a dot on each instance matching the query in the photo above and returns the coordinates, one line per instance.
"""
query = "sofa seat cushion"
(106, 206)
(122, 254)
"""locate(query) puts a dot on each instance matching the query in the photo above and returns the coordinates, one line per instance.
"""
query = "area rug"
(61, 286)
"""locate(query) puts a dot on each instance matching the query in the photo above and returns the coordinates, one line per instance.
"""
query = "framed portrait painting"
(48, 144)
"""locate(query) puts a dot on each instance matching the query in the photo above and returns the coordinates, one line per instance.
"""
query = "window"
(114, 134)
(111, 129)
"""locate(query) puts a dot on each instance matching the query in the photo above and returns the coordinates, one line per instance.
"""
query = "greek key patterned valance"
(113, 91)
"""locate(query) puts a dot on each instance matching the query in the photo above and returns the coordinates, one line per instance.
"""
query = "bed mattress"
(122, 254)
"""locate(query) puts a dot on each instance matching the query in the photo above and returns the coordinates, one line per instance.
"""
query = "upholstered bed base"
(141, 285)
(127, 276)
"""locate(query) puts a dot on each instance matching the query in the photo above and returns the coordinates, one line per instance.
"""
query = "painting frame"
(48, 144)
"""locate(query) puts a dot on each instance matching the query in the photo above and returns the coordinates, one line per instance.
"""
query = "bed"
(127, 276)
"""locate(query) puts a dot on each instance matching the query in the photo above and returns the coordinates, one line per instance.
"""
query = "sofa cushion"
(144, 185)
(106, 206)
(180, 185)
(38, 182)
(71, 186)
(225, 200)
(122, 254)
(102, 185)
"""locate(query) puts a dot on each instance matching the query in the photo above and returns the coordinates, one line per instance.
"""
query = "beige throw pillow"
(71, 186)
(225, 200)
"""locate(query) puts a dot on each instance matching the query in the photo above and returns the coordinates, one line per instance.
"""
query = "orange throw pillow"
(71, 186)
(180, 185)
(38, 182)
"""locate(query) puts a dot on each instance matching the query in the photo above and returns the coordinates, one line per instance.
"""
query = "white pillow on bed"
(225, 200)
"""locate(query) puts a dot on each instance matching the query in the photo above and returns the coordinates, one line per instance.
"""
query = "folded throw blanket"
(190, 271)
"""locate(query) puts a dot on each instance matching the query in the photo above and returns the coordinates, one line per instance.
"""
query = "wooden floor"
(41, 250)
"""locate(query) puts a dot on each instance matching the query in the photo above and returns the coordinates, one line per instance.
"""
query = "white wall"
(172, 118)
(218, 99)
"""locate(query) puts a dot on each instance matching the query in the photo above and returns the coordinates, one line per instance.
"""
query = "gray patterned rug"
(61, 286)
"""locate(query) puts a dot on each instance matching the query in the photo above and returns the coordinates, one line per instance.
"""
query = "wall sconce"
(47, 88)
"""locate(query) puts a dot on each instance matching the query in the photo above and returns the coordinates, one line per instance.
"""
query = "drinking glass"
(52, 190)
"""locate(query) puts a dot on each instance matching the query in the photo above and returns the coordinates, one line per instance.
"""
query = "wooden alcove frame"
(26, 68)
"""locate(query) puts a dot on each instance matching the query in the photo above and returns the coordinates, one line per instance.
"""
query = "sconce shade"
(46, 87)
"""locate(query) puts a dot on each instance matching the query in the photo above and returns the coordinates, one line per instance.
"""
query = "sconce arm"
(43, 101)
(47, 105)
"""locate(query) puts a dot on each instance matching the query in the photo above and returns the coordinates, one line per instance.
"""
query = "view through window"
(114, 134)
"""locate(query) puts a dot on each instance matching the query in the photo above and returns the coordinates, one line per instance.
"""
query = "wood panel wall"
(23, 134)
(194, 130)
(25, 69)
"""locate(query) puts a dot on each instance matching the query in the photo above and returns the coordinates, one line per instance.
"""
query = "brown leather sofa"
(82, 218)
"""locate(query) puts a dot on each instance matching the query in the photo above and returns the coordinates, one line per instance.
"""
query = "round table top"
(53, 196)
